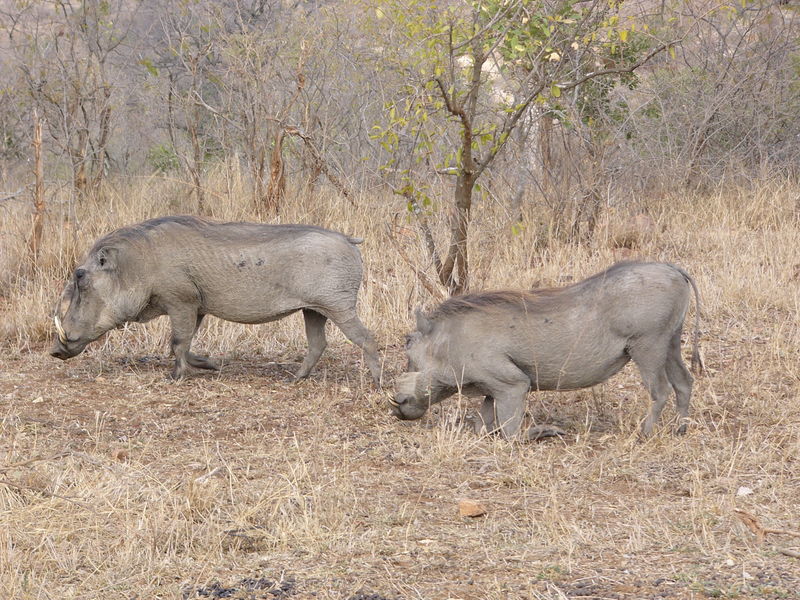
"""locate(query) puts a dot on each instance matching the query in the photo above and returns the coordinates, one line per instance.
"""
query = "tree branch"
(426, 282)
(564, 87)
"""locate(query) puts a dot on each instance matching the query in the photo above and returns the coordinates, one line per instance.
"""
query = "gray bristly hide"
(502, 344)
(187, 267)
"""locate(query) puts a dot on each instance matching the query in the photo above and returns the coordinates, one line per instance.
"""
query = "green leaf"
(555, 91)
(148, 64)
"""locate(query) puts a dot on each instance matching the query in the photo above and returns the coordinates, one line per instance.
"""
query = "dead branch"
(12, 195)
(427, 234)
(423, 277)
(320, 162)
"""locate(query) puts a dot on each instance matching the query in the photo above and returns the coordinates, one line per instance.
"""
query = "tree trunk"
(258, 159)
(197, 161)
(102, 142)
(277, 179)
(38, 190)
(455, 271)
(546, 150)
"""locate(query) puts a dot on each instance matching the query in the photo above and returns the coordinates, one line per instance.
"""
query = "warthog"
(187, 267)
(502, 344)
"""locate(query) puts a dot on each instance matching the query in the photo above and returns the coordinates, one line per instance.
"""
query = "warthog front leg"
(509, 409)
(184, 324)
(508, 386)
(486, 422)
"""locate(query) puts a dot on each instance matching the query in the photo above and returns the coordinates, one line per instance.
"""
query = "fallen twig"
(44, 493)
(24, 463)
(759, 530)
(207, 476)
(789, 552)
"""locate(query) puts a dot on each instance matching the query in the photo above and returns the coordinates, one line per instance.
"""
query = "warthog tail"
(697, 359)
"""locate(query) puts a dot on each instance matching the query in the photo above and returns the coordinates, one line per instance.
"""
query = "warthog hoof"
(540, 432)
(201, 362)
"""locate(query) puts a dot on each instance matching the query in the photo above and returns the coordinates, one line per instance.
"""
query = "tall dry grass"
(747, 235)
(114, 483)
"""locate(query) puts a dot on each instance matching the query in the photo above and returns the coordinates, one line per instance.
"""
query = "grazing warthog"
(187, 267)
(502, 344)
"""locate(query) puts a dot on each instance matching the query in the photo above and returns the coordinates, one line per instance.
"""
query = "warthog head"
(89, 304)
(413, 390)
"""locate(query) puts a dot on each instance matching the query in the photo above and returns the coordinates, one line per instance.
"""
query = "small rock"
(471, 508)
(744, 491)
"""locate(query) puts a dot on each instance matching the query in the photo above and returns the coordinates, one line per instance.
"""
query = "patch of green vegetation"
(551, 573)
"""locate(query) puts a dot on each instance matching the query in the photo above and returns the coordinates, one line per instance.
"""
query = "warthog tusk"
(62, 335)
(393, 403)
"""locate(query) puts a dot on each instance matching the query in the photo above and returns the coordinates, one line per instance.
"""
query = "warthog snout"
(406, 405)
(58, 351)
(65, 351)
(401, 404)
(63, 347)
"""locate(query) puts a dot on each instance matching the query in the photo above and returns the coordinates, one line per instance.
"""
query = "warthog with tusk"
(502, 344)
(187, 267)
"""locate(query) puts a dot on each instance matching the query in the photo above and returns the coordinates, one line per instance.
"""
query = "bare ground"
(115, 483)
(244, 484)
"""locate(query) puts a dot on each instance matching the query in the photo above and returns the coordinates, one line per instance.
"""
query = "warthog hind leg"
(651, 358)
(681, 380)
(355, 331)
(315, 333)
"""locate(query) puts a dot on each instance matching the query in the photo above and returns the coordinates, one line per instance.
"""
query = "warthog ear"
(107, 257)
(424, 324)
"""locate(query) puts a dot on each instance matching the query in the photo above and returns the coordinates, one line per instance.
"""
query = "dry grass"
(115, 483)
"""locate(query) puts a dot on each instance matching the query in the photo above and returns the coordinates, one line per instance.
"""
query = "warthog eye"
(411, 339)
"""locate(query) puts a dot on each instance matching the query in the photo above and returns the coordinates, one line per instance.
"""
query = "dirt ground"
(244, 484)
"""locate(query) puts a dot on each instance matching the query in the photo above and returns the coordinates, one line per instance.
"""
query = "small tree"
(472, 71)
(64, 52)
